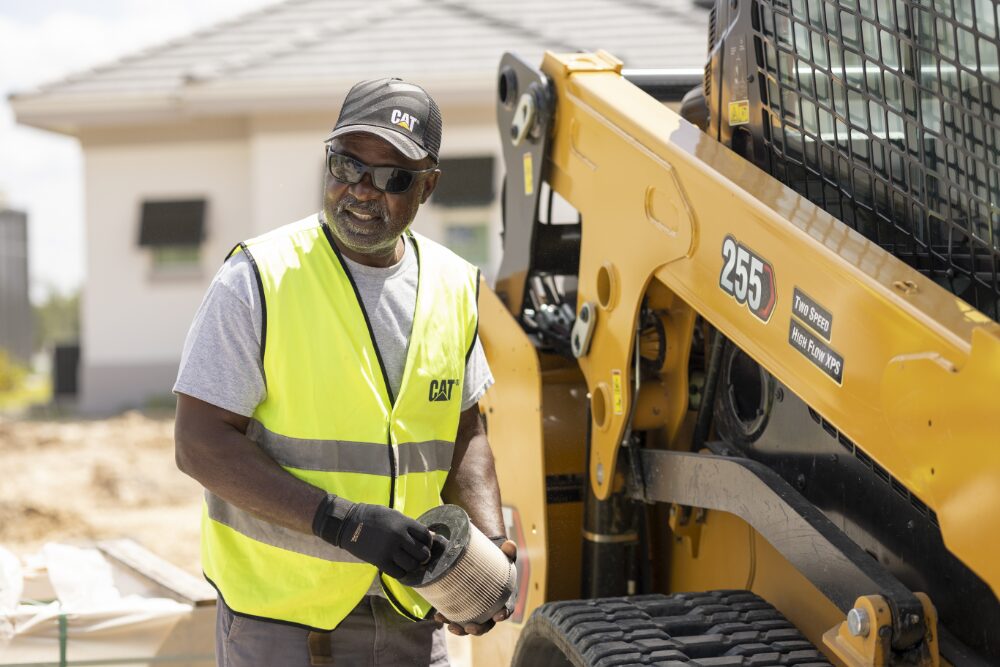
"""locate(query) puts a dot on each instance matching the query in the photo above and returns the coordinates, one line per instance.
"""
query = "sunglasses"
(391, 180)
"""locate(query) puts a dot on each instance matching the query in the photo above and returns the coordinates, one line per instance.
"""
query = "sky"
(41, 173)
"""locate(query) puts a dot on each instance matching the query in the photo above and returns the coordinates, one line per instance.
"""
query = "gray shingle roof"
(287, 53)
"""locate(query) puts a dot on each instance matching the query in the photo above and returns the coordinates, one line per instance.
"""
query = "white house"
(194, 145)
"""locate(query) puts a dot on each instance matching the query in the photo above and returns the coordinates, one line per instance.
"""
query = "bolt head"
(858, 623)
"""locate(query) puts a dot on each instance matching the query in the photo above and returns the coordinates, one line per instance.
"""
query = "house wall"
(256, 174)
(286, 170)
(135, 320)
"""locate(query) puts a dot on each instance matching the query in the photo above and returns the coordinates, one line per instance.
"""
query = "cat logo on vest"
(441, 390)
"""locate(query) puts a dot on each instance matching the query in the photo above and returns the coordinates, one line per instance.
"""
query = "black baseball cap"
(401, 113)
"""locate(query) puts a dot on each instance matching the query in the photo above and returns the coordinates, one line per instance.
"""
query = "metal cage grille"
(887, 114)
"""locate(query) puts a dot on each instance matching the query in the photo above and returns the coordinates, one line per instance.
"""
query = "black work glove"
(382, 536)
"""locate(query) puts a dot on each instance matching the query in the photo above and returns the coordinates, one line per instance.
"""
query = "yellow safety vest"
(330, 419)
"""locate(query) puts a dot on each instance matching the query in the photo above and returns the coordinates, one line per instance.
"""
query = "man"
(327, 395)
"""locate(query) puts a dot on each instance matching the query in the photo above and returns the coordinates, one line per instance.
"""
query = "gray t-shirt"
(221, 361)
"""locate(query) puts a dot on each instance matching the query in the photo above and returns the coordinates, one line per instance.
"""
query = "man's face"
(366, 221)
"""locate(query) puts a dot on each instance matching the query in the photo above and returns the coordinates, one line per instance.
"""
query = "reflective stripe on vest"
(329, 418)
(341, 456)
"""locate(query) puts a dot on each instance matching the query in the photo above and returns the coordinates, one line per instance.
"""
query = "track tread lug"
(708, 629)
(722, 661)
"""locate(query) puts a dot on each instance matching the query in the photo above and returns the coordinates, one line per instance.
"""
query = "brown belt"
(320, 648)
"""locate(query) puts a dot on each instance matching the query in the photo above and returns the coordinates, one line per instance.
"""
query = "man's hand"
(476, 629)
(382, 536)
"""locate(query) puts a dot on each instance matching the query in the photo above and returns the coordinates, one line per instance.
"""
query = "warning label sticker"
(816, 351)
(616, 391)
(529, 182)
(739, 112)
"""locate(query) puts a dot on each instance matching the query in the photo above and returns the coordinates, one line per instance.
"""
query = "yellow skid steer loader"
(747, 359)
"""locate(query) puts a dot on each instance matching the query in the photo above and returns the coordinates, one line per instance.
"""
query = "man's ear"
(429, 184)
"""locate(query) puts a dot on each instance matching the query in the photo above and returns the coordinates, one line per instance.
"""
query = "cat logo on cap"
(404, 120)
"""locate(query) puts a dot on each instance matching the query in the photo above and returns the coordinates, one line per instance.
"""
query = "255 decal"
(748, 278)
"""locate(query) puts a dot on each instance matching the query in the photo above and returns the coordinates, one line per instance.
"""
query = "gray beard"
(368, 244)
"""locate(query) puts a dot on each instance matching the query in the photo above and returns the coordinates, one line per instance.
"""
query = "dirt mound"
(26, 522)
(72, 480)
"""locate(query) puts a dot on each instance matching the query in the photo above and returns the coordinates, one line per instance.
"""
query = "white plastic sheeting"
(88, 623)
(11, 587)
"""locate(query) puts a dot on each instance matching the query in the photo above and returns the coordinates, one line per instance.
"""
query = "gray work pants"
(372, 635)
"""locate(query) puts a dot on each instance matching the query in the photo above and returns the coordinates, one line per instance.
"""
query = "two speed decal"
(748, 278)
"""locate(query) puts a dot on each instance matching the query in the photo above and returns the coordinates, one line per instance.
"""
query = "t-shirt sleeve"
(221, 362)
(478, 377)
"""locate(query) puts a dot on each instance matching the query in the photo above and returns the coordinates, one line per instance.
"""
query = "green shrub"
(12, 374)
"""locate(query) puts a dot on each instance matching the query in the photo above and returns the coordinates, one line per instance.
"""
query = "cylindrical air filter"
(468, 578)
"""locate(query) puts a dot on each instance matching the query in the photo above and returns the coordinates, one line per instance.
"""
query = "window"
(167, 256)
(173, 231)
(465, 181)
(469, 241)
(464, 196)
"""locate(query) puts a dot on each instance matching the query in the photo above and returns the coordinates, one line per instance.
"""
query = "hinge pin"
(857, 622)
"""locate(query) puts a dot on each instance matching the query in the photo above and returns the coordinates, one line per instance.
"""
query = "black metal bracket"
(525, 105)
(800, 532)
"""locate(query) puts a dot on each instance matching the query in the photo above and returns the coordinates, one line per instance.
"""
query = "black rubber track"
(713, 629)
